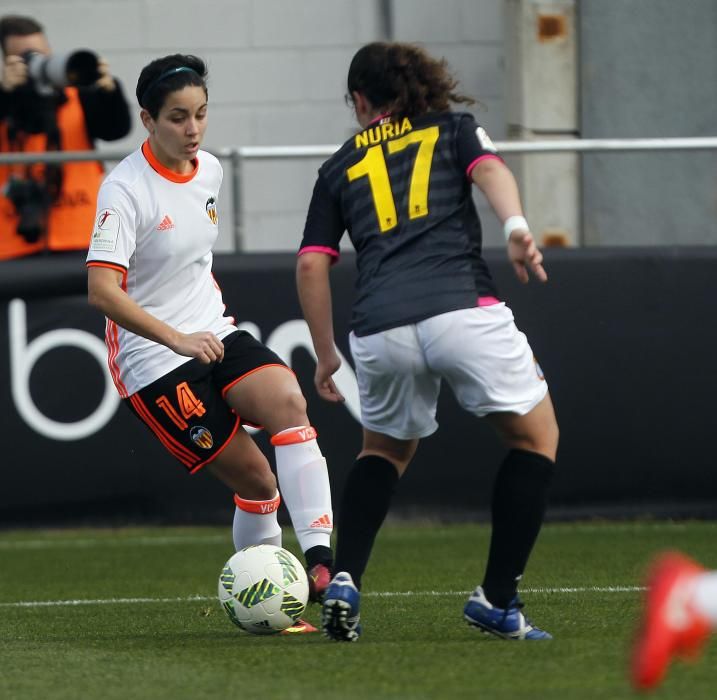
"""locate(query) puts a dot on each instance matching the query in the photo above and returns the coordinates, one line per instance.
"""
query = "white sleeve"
(114, 236)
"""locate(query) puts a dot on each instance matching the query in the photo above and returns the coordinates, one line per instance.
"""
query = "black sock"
(520, 496)
(365, 501)
(318, 555)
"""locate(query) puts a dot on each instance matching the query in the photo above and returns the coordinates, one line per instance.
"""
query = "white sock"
(304, 483)
(704, 596)
(255, 522)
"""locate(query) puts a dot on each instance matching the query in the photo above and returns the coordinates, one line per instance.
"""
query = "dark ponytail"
(403, 79)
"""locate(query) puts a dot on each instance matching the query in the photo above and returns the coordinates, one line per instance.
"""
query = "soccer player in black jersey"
(426, 309)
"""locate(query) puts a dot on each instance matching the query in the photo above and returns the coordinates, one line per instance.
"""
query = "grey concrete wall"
(469, 34)
(277, 75)
(649, 69)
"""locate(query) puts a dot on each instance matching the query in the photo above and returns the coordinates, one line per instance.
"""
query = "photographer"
(51, 207)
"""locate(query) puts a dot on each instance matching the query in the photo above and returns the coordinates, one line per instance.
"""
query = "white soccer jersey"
(158, 228)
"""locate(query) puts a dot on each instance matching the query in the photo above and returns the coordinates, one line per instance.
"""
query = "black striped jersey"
(401, 188)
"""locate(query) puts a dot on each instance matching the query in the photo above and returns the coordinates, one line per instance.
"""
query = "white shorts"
(485, 359)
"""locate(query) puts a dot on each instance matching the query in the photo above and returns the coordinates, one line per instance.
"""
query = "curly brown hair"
(403, 79)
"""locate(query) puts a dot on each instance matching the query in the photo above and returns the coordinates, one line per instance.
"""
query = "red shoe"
(319, 578)
(300, 627)
(670, 627)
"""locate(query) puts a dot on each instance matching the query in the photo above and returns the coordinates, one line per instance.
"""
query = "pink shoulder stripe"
(485, 156)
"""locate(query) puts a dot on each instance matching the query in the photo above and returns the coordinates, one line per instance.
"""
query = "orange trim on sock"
(293, 436)
(259, 507)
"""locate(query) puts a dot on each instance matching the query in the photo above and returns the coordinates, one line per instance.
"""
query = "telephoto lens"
(57, 71)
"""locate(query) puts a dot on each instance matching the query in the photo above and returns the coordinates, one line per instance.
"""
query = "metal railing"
(238, 155)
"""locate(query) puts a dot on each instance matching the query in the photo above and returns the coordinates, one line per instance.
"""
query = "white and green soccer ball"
(263, 589)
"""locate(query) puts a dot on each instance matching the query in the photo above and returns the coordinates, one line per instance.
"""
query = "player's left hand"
(105, 82)
(525, 255)
(323, 379)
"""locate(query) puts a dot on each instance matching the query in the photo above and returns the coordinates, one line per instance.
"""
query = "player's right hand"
(323, 379)
(14, 73)
(203, 346)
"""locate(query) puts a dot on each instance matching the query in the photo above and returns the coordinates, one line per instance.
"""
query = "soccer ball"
(263, 589)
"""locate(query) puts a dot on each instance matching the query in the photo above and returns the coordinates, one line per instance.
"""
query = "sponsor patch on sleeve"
(107, 226)
(485, 141)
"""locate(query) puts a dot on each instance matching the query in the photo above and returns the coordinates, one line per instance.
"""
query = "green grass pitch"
(132, 613)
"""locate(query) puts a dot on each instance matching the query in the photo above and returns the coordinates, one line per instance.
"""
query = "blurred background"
(540, 69)
(624, 330)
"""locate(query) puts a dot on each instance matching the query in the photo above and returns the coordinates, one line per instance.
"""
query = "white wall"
(277, 76)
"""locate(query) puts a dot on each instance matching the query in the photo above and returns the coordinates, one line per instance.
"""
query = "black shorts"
(186, 410)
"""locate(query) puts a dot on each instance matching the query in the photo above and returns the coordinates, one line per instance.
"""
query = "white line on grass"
(109, 541)
(369, 594)
(102, 601)
(579, 589)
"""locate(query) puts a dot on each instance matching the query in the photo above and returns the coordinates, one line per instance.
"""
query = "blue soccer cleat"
(340, 610)
(508, 623)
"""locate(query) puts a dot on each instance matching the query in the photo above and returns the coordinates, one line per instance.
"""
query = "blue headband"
(166, 74)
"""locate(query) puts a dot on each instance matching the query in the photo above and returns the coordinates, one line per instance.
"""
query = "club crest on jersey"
(201, 437)
(211, 208)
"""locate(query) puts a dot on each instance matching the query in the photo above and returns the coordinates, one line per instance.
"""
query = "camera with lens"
(31, 200)
(34, 104)
(51, 73)
(33, 111)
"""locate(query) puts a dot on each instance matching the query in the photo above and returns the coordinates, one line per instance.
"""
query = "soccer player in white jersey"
(180, 364)
(679, 613)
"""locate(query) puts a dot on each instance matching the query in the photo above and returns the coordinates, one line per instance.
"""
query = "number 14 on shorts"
(188, 405)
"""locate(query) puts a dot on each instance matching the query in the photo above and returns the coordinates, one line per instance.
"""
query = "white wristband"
(512, 223)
